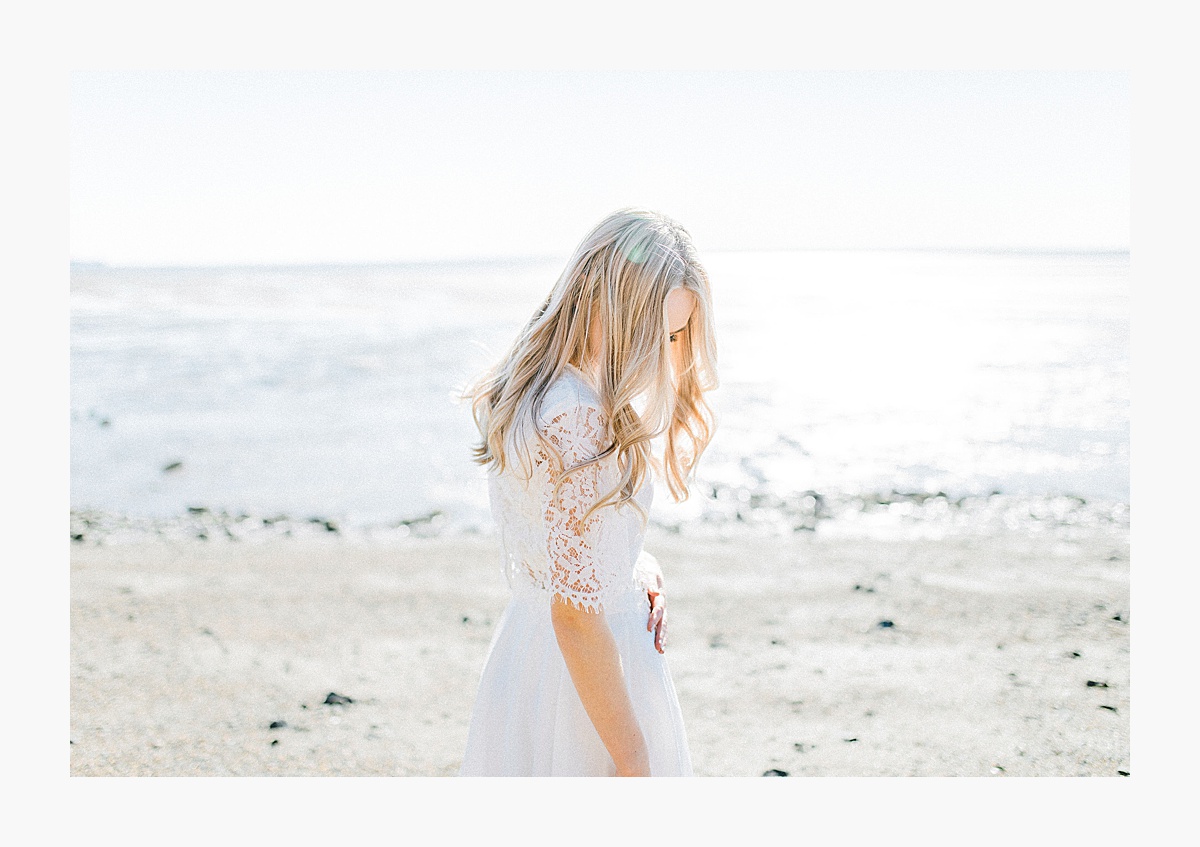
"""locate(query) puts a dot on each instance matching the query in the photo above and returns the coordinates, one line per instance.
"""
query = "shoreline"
(985, 654)
(727, 513)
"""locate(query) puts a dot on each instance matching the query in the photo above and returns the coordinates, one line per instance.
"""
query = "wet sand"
(982, 655)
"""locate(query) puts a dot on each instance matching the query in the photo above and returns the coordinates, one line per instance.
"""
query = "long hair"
(619, 276)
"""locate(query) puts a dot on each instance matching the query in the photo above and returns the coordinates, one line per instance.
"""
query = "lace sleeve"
(648, 572)
(579, 573)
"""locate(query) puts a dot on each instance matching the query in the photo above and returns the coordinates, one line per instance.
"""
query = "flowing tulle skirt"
(528, 720)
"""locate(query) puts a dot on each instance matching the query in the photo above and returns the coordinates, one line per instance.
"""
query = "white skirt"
(528, 719)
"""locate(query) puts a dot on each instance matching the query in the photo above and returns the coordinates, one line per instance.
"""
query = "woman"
(621, 352)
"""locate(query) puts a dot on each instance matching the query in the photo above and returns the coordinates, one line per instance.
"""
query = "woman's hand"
(658, 616)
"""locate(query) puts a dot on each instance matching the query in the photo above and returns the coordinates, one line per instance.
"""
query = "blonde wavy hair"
(617, 279)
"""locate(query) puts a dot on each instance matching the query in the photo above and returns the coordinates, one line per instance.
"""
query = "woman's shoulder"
(569, 394)
(572, 416)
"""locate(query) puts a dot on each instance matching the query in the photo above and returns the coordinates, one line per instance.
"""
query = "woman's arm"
(590, 652)
(582, 577)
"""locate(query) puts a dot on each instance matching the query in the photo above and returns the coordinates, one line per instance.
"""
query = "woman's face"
(681, 303)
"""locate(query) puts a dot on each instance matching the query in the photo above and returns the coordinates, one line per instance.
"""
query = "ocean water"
(861, 391)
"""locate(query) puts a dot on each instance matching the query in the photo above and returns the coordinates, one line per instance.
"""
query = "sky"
(246, 167)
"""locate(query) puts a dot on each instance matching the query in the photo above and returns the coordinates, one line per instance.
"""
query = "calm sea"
(911, 390)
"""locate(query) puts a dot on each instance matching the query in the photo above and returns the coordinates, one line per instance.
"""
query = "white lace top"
(546, 546)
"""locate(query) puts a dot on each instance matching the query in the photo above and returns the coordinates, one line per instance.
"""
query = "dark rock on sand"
(337, 700)
(775, 772)
(885, 624)
(172, 466)
(428, 519)
(1094, 684)
(278, 725)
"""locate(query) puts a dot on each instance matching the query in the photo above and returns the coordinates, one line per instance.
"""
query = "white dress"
(528, 719)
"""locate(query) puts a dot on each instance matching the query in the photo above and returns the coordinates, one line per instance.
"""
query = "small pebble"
(278, 725)
(886, 624)
(775, 772)
(1094, 684)
(337, 700)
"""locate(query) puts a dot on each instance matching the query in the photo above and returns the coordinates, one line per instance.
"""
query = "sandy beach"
(1004, 654)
